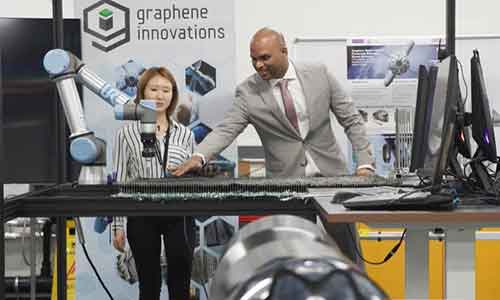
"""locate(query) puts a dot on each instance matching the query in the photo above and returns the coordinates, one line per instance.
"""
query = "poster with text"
(195, 40)
(383, 77)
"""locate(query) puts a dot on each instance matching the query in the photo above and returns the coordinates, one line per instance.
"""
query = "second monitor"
(435, 121)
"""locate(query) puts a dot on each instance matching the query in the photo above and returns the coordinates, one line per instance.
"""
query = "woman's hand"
(119, 240)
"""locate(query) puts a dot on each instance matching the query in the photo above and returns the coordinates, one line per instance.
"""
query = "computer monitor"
(440, 110)
(482, 129)
(425, 90)
(2, 161)
(482, 126)
(462, 139)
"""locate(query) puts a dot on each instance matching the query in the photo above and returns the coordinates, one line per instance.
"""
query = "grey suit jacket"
(284, 148)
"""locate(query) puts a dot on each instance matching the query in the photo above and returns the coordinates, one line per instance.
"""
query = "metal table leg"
(460, 264)
(33, 259)
(417, 263)
(61, 258)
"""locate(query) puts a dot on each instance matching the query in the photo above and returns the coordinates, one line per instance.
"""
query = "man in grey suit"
(289, 105)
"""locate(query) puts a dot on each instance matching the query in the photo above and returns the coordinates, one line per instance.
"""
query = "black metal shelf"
(87, 201)
(69, 200)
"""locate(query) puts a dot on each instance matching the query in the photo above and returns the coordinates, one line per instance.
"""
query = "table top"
(478, 214)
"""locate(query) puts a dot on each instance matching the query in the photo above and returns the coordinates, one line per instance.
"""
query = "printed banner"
(195, 40)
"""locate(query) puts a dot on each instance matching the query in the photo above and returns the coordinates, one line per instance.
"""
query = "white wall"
(327, 18)
(322, 18)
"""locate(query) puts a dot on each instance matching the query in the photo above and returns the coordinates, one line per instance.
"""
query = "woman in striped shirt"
(175, 145)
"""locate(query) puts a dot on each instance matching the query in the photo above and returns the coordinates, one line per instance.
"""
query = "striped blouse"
(127, 154)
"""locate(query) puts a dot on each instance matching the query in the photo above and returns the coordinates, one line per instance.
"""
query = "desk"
(459, 225)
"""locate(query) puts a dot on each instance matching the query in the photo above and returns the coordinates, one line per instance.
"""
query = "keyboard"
(401, 201)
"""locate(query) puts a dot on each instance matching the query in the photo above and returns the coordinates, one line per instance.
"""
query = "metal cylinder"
(92, 175)
(70, 100)
(288, 257)
(145, 112)
(100, 87)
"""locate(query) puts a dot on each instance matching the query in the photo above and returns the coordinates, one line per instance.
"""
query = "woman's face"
(159, 89)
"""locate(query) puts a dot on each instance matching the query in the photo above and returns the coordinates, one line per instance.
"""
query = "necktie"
(290, 111)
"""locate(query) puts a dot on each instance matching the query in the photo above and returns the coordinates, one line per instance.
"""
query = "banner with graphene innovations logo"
(195, 39)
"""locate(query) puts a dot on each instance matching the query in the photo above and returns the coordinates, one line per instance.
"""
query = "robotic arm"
(86, 148)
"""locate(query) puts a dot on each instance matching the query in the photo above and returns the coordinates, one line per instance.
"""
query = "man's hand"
(192, 165)
(364, 172)
(210, 170)
(119, 240)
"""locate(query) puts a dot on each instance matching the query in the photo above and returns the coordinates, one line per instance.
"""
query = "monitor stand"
(480, 173)
(454, 164)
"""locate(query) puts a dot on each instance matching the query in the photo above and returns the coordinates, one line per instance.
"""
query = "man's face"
(269, 57)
